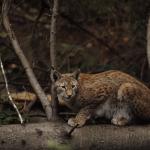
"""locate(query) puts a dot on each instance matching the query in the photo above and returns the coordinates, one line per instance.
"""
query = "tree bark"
(95, 137)
(34, 83)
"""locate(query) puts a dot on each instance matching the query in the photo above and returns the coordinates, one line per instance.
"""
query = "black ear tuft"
(76, 74)
(55, 75)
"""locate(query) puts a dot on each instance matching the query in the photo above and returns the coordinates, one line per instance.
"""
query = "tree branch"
(34, 83)
(9, 95)
(53, 33)
(148, 42)
(54, 103)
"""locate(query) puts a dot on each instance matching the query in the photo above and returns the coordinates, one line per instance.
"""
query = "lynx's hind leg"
(123, 113)
(138, 98)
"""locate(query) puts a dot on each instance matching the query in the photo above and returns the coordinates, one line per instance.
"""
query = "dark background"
(92, 35)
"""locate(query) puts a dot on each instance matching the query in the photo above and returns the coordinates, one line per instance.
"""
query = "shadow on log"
(52, 136)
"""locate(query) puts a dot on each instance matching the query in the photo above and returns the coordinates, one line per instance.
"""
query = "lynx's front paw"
(73, 122)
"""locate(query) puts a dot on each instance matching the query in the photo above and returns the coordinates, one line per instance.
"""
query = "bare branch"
(34, 83)
(54, 103)
(53, 33)
(143, 67)
(148, 42)
(9, 95)
(71, 131)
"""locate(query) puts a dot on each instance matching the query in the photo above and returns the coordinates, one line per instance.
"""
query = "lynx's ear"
(55, 75)
(76, 73)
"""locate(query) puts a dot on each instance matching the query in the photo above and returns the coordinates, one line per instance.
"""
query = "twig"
(34, 83)
(67, 113)
(9, 95)
(72, 129)
(143, 68)
(27, 108)
(43, 115)
(148, 42)
(54, 102)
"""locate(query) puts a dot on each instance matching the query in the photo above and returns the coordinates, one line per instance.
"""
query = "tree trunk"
(148, 42)
(50, 135)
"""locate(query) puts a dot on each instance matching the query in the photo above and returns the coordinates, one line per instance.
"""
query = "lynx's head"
(66, 85)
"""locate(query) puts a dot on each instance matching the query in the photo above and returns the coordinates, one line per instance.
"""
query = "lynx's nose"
(69, 96)
(68, 93)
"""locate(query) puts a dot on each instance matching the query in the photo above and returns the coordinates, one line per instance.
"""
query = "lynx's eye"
(63, 87)
(73, 86)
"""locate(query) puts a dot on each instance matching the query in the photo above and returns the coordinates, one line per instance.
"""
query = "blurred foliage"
(120, 24)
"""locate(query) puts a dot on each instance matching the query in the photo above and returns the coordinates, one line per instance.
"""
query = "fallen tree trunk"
(53, 136)
(29, 97)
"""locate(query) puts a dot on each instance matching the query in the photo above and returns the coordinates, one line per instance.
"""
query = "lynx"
(112, 94)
